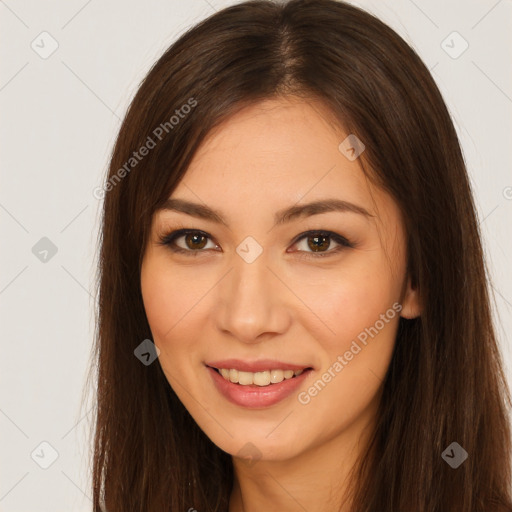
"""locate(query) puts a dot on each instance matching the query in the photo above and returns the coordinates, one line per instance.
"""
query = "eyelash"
(169, 240)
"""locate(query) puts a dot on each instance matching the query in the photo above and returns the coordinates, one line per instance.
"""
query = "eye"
(194, 241)
(319, 241)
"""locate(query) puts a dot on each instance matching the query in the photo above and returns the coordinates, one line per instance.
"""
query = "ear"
(411, 304)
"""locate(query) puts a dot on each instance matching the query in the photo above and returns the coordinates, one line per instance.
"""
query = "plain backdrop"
(68, 71)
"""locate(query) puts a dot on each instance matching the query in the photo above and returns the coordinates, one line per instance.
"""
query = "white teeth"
(258, 378)
(245, 378)
(262, 378)
(276, 376)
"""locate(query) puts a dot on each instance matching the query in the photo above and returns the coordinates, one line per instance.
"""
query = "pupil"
(195, 239)
(316, 244)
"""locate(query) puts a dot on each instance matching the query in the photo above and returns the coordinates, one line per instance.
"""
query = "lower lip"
(253, 396)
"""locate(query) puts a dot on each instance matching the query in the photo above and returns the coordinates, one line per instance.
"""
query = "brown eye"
(195, 241)
(318, 243)
(187, 241)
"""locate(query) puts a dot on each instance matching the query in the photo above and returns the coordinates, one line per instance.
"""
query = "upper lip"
(256, 366)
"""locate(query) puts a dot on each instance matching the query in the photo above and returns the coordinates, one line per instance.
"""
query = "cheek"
(169, 297)
(176, 306)
(160, 300)
(353, 298)
(354, 360)
(164, 307)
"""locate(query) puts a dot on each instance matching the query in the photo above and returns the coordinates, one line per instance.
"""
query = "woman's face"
(250, 285)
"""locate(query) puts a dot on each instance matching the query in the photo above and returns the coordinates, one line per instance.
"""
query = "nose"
(251, 302)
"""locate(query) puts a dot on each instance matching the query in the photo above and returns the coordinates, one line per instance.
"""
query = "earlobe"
(411, 303)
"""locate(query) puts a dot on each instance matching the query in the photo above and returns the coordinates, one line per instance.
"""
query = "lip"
(256, 397)
(256, 366)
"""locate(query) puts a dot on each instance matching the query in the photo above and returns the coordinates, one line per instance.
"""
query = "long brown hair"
(445, 382)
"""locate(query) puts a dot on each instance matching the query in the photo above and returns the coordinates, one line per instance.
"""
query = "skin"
(283, 305)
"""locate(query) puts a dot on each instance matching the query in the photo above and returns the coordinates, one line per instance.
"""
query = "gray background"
(60, 114)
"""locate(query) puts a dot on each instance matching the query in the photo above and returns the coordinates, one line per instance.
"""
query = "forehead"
(274, 154)
(277, 141)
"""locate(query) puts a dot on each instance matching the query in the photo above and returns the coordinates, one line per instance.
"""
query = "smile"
(263, 378)
(256, 390)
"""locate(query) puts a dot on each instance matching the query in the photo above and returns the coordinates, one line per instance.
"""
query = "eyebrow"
(281, 217)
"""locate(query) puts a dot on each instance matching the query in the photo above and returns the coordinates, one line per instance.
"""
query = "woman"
(289, 227)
